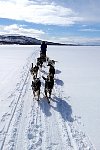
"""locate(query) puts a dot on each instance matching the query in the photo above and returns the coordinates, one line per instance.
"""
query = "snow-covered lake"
(71, 121)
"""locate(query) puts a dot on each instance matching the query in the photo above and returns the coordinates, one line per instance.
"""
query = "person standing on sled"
(43, 49)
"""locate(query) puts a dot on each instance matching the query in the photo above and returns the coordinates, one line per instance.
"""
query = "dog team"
(49, 80)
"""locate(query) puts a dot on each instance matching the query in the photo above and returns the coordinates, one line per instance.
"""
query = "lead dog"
(34, 71)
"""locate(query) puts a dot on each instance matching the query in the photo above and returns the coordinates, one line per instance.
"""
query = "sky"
(65, 21)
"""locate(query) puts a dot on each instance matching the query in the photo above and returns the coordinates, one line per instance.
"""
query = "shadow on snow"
(62, 107)
(57, 71)
(45, 107)
(59, 82)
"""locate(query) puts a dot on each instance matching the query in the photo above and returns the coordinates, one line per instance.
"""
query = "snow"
(71, 120)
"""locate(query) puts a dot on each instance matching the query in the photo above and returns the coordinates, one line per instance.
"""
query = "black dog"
(39, 62)
(36, 84)
(49, 84)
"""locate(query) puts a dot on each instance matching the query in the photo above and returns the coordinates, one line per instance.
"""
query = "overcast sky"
(54, 20)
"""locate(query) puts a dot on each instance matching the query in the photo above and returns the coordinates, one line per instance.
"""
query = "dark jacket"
(43, 47)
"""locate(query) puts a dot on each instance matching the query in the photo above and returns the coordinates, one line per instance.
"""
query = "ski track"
(32, 125)
(15, 106)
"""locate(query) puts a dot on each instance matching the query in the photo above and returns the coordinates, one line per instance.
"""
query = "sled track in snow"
(34, 131)
(25, 80)
(57, 125)
(14, 111)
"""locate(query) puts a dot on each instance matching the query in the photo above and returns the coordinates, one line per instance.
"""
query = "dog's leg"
(34, 77)
(41, 65)
(38, 93)
(36, 74)
(50, 90)
(45, 92)
(34, 93)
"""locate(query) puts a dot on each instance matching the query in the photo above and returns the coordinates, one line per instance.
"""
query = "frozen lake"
(79, 71)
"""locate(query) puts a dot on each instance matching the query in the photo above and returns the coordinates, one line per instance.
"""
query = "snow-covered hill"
(17, 39)
(26, 124)
(22, 40)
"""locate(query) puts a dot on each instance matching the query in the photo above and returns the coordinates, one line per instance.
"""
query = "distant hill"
(23, 40)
